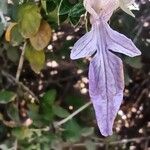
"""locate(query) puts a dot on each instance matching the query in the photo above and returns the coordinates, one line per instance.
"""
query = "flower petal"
(117, 42)
(85, 46)
(124, 6)
(106, 86)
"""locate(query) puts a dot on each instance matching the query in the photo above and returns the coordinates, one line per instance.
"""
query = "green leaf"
(36, 58)
(50, 5)
(72, 131)
(65, 7)
(6, 97)
(13, 54)
(49, 97)
(42, 37)
(46, 105)
(29, 19)
(1, 29)
(34, 114)
(47, 113)
(3, 6)
(76, 12)
(13, 113)
(134, 62)
(90, 145)
(87, 131)
(60, 112)
(16, 38)
(1, 117)
(21, 133)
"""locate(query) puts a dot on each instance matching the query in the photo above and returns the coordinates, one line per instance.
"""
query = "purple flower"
(106, 79)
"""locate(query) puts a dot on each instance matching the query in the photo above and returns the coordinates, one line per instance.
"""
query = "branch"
(124, 141)
(25, 88)
(73, 114)
(20, 63)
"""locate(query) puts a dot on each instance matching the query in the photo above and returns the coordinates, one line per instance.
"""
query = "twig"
(25, 88)
(20, 63)
(86, 21)
(15, 145)
(124, 141)
(73, 114)
(58, 12)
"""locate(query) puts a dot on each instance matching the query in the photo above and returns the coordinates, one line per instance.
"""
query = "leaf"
(6, 97)
(134, 62)
(87, 131)
(72, 131)
(8, 31)
(42, 37)
(29, 19)
(1, 29)
(15, 38)
(13, 113)
(64, 7)
(36, 58)
(60, 112)
(50, 6)
(3, 6)
(34, 114)
(47, 113)
(76, 12)
(49, 97)
(1, 117)
(21, 133)
(90, 145)
(13, 54)
(46, 105)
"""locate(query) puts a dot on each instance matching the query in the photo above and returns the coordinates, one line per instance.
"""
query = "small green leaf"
(36, 58)
(29, 19)
(3, 6)
(6, 97)
(134, 62)
(76, 12)
(13, 54)
(60, 112)
(1, 117)
(50, 5)
(47, 113)
(21, 133)
(13, 113)
(90, 145)
(49, 97)
(34, 114)
(1, 29)
(65, 7)
(87, 131)
(46, 105)
(72, 131)
(15, 37)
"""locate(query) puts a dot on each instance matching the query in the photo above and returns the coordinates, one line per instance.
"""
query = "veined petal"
(106, 84)
(89, 6)
(85, 46)
(118, 42)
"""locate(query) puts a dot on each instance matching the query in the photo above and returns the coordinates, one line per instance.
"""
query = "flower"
(124, 5)
(106, 79)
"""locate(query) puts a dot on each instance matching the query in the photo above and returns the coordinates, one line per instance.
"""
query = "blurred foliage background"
(42, 91)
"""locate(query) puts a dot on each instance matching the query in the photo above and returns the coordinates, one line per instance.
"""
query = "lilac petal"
(106, 86)
(85, 46)
(119, 43)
